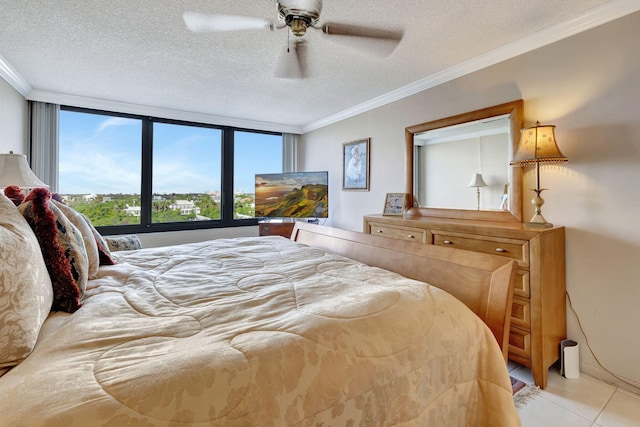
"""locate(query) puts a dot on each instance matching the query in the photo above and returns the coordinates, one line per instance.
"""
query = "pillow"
(15, 194)
(126, 242)
(62, 248)
(103, 249)
(25, 288)
(88, 238)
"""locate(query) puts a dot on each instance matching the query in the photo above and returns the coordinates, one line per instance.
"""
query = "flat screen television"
(292, 195)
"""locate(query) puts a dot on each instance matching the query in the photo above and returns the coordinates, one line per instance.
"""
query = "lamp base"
(538, 224)
(538, 221)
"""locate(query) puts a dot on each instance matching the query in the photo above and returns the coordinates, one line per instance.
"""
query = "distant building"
(133, 210)
(186, 207)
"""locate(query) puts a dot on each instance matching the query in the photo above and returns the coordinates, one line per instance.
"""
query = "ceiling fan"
(298, 16)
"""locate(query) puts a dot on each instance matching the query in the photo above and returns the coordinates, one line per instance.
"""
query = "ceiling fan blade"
(377, 41)
(334, 28)
(200, 22)
(291, 63)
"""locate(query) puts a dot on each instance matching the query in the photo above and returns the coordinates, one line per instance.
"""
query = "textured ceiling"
(139, 52)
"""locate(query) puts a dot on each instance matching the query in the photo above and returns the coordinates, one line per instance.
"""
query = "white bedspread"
(259, 332)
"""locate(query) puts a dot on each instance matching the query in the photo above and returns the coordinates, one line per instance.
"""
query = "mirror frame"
(514, 214)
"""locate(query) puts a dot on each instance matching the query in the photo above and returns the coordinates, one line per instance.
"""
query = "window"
(132, 174)
(187, 172)
(99, 166)
(255, 153)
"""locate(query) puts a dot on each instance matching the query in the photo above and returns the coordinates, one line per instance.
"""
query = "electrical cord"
(586, 339)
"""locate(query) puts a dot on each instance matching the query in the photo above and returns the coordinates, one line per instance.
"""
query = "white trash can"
(570, 359)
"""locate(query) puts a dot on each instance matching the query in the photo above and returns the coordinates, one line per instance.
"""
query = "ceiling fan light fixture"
(298, 27)
(298, 16)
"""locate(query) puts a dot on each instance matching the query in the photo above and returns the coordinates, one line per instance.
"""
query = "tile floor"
(585, 401)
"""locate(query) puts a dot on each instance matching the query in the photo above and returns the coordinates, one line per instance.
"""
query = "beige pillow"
(87, 236)
(26, 294)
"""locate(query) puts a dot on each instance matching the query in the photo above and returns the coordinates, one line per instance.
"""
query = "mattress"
(259, 332)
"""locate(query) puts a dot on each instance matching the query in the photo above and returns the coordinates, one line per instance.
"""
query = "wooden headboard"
(483, 282)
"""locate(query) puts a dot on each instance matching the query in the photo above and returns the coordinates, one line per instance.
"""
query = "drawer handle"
(448, 242)
(410, 236)
(379, 231)
(500, 250)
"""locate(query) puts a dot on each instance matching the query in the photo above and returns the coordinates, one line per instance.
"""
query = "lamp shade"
(538, 145)
(14, 170)
(477, 181)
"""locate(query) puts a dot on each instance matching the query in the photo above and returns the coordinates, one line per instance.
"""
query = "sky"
(292, 179)
(102, 154)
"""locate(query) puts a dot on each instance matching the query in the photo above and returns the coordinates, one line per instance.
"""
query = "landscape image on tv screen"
(292, 195)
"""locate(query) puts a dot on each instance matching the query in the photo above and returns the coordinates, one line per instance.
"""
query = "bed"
(266, 331)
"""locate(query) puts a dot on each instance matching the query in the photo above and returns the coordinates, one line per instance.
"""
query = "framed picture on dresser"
(395, 204)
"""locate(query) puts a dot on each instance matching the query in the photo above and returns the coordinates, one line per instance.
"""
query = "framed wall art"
(355, 165)
(395, 203)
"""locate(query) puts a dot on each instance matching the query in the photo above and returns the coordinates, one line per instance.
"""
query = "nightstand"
(270, 228)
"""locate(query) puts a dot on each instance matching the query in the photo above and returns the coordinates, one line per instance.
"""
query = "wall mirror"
(444, 156)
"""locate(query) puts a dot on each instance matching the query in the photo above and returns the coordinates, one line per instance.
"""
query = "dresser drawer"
(521, 313)
(522, 286)
(520, 343)
(400, 233)
(511, 248)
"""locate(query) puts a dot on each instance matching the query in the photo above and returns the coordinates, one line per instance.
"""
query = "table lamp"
(14, 170)
(538, 145)
(477, 181)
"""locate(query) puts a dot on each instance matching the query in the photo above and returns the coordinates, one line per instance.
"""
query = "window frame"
(146, 186)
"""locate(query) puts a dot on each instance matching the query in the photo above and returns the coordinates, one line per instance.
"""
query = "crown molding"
(592, 18)
(8, 73)
(166, 113)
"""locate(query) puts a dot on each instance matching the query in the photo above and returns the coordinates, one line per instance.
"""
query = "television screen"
(292, 195)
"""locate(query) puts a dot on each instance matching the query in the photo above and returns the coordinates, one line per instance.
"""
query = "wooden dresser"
(538, 318)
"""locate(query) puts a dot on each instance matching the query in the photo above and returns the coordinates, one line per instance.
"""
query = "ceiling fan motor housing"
(299, 14)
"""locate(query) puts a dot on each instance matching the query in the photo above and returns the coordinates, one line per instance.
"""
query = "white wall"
(13, 120)
(587, 85)
(152, 240)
